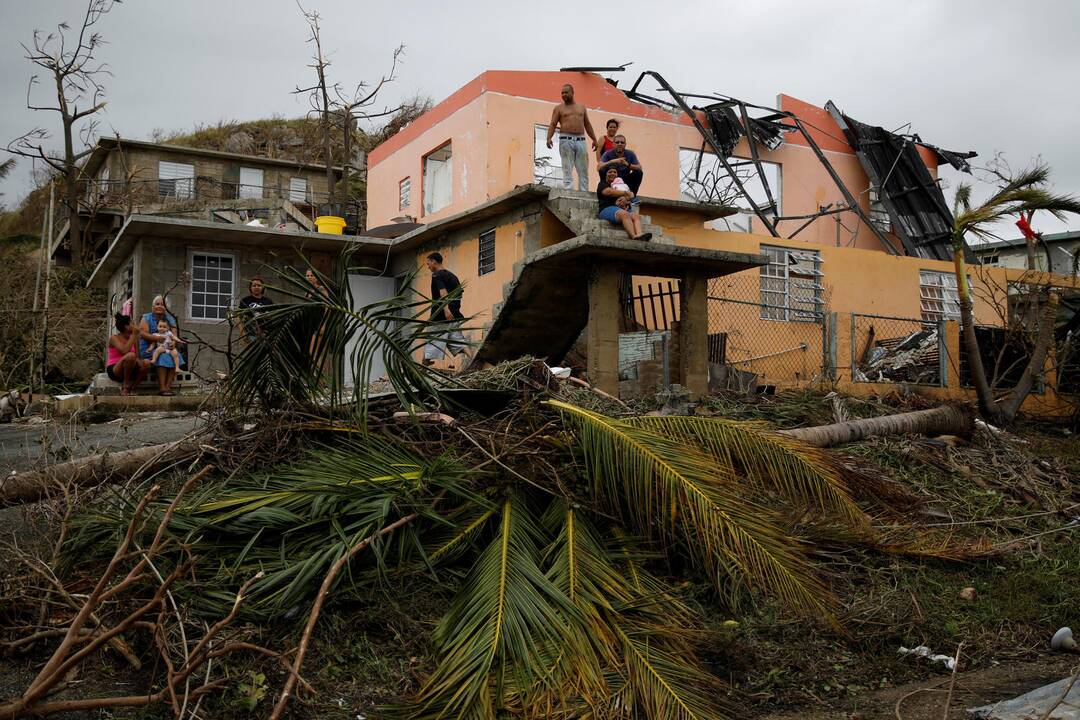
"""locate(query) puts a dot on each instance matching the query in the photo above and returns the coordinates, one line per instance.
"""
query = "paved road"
(23, 446)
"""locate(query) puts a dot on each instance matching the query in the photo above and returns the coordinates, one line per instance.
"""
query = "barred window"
(938, 296)
(212, 280)
(486, 253)
(404, 193)
(791, 284)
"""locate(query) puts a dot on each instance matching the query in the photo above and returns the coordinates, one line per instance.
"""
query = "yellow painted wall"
(480, 293)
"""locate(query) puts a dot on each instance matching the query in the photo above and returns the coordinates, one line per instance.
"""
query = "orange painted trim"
(819, 125)
(457, 100)
(602, 98)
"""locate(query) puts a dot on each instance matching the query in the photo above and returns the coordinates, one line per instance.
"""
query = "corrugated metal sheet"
(920, 215)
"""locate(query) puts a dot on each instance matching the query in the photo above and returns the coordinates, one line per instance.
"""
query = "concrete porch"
(560, 290)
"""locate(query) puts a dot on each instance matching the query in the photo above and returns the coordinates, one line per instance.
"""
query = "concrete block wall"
(162, 266)
(143, 164)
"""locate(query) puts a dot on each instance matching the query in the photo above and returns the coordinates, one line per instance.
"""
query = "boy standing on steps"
(572, 120)
(444, 283)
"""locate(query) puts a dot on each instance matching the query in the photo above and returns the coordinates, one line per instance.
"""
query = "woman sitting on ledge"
(164, 365)
(615, 203)
(123, 364)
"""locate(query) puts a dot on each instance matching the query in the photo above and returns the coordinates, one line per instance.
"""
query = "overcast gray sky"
(988, 75)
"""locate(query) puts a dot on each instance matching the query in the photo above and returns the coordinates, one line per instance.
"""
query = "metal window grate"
(404, 193)
(791, 285)
(486, 253)
(938, 296)
(211, 286)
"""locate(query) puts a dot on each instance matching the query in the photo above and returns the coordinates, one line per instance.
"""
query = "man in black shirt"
(250, 306)
(443, 284)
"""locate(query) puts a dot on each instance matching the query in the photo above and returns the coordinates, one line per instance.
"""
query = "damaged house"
(790, 245)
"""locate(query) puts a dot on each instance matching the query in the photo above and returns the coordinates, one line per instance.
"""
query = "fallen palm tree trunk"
(944, 420)
(35, 485)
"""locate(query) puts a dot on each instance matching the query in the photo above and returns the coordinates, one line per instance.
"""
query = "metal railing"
(185, 196)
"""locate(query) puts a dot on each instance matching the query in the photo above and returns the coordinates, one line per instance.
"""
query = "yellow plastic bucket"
(330, 224)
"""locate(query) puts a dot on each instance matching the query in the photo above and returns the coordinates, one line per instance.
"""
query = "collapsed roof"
(920, 216)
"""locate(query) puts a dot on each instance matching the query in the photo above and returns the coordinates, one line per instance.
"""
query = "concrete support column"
(694, 334)
(603, 332)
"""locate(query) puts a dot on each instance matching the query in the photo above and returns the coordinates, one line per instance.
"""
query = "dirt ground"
(925, 700)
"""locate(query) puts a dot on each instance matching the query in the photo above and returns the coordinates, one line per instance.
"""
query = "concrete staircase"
(546, 306)
(577, 210)
(185, 384)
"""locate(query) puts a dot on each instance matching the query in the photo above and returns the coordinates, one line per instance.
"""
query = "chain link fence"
(750, 346)
(898, 350)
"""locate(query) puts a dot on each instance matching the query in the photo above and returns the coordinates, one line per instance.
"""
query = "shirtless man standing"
(572, 120)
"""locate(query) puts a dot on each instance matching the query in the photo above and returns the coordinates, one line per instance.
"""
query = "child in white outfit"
(166, 345)
(620, 184)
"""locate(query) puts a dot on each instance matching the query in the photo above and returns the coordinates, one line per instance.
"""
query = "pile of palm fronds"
(565, 531)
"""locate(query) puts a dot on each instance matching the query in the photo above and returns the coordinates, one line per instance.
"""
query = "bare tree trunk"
(1009, 407)
(944, 420)
(71, 185)
(36, 485)
(983, 391)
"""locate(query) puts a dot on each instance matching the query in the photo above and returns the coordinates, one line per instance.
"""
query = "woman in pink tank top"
(122, 363)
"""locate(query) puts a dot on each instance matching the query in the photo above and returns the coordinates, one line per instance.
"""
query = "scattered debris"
(923, 651)
(914, 358)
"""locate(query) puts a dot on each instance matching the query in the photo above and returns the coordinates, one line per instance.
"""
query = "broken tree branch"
(324, 590)
(944, 420)
(36, 485)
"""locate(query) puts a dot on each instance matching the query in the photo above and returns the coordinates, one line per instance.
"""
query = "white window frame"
(547, 164)
(428, 200)
(183, 185)
(250, 190)
(791, 287)
(688, 158)
(404, 192)
(229, 294)
(298, 194)
(939, 298)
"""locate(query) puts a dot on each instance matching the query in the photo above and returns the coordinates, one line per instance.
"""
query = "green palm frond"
(504, 630)
(302, 348)
(793, 470)
(662, 682)
(295, 523)
(6, 167)
(1023, 193)
(670, 491)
